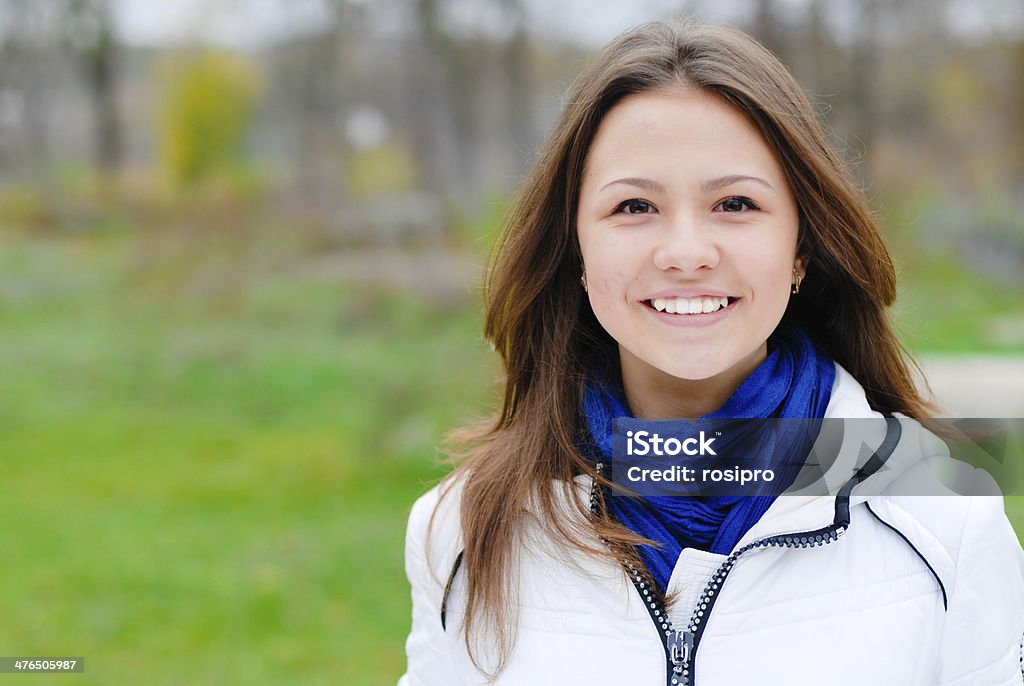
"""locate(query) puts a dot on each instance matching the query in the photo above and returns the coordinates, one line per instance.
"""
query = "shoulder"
(954, 533)
(953, 516)
(940, 500)
(973, 553)
(433, 534)
(949, 511)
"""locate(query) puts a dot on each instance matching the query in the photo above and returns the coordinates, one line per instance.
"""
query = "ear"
(800, 265)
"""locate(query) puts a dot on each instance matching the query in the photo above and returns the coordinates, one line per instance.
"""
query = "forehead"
(679, 129)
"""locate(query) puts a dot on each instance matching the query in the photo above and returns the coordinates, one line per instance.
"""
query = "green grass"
(208, 465)
(942, 307)
(209, 455)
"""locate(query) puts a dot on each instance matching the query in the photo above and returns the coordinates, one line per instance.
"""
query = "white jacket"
(918, 590)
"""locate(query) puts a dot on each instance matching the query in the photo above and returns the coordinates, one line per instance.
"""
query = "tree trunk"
(102, 67)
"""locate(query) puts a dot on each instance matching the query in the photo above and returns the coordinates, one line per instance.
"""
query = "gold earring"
(583, 281)
(795, 286)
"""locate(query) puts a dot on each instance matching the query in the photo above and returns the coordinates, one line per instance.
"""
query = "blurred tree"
(312, 71)
(815, 62)
(865, 63)
(318, 73)
(205, 113)
(25, 84)
(431, 106)
(518, 78)
(89, 30)
(470, 97)
(1015, 115)
(768, 27)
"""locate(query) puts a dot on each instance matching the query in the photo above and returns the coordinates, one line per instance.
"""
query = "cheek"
(772, 262)
(609, 283)
(773, 290)
(769, 274)
(610, 268)
(609, 290)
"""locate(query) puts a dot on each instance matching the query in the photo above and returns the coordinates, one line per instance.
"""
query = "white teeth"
(699, 305)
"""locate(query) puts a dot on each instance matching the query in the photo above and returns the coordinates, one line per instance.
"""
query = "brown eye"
(736, 204)
(635, 206)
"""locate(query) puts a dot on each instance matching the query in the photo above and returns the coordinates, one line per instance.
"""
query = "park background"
(240, 248)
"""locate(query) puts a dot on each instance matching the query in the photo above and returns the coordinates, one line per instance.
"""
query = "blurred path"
(977, 385)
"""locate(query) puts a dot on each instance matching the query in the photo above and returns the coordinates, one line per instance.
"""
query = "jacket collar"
(798, 513)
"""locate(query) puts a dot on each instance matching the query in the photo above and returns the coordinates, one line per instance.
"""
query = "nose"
(686, 244)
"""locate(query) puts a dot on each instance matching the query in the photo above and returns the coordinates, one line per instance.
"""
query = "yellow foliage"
(388, 168)
(208, 102)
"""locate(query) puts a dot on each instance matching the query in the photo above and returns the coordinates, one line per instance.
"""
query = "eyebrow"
(710, 185)
(723, 181)
(645, 184)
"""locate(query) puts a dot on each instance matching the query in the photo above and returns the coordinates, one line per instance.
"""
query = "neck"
(654, 394)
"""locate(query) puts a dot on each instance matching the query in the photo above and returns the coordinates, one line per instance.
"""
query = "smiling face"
(688, 231)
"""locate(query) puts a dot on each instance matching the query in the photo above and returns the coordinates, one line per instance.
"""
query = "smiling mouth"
(704, 304)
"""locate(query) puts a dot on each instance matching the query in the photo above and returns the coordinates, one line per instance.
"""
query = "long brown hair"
(542, 325)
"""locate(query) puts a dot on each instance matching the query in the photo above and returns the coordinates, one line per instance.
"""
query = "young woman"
(688, 245)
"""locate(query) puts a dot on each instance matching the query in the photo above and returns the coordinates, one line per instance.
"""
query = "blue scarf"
(795, 380)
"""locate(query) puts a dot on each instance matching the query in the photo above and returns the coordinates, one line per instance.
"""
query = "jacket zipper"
(681, 646)
(806, 539)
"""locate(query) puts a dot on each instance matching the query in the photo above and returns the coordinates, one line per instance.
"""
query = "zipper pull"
(680, 645)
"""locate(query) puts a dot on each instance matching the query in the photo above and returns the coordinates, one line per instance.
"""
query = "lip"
(693, 320)
(690, 292)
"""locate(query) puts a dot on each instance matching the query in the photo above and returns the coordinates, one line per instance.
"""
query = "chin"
(693, 370)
